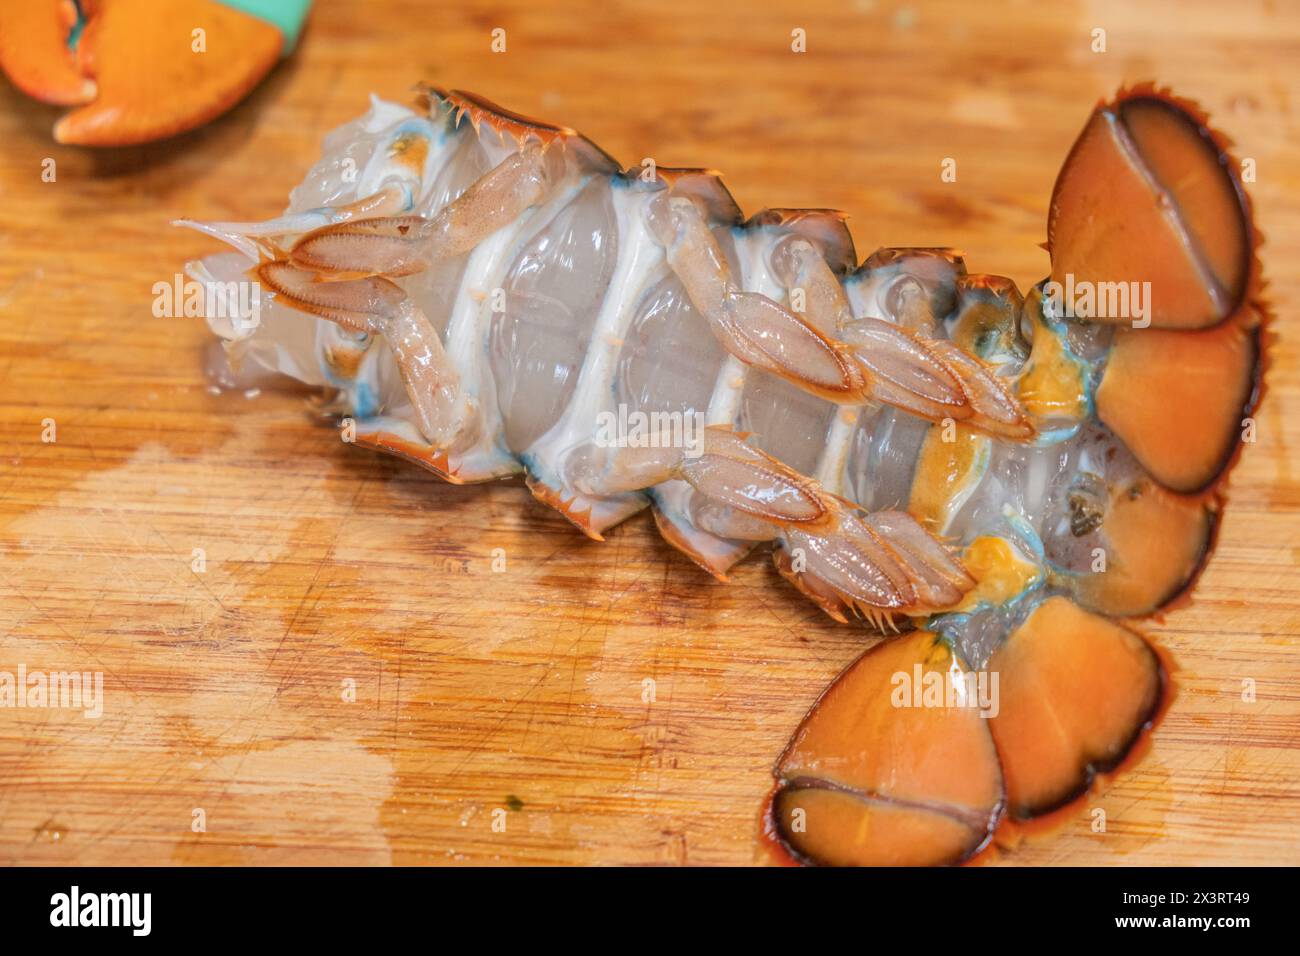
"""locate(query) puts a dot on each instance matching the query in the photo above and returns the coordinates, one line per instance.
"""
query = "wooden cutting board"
(523, 695)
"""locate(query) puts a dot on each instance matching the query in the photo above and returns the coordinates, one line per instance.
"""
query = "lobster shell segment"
(1149, 193)
(826, 229)
(880, 774)
(516, 127)
(1179, 399)
(703, 186)
(1076, 690)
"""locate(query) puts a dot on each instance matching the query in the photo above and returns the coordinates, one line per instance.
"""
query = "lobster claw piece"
(140, 70)
(35, 54)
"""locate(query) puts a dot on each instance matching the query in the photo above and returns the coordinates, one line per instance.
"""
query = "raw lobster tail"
(492, 296)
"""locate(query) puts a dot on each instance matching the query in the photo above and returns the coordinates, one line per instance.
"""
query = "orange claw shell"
(137, 70)
(34, 51)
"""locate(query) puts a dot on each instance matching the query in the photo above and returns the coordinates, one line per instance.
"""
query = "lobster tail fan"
(912, 758)
(874, 776)
(1180, 400)
(1076, 691)
(1151, 227)
(1149, 194)
(1148, 548)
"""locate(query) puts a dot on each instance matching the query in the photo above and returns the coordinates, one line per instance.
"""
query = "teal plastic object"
(287, 16)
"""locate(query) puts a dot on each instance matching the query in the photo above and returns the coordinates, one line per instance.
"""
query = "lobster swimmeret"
(484, 294)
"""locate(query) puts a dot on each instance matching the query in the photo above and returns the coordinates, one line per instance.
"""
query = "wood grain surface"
(523, 691)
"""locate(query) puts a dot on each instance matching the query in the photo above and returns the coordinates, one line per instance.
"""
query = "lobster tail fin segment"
(911, 757)
(883, 773)
(1151, 204)
(1149, 194)
(1076, 691)
(1151, 227)
(1180, 400)
(1115, 540)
